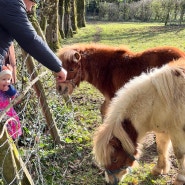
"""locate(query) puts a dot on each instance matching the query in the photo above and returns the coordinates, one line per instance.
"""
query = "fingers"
(60, 79)
(61, 76)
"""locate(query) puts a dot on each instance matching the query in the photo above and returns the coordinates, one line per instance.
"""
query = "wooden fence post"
(13, 169)
(43, 100)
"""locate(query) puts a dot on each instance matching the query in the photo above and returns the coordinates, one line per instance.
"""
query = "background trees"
(61, 19)
(167, 11)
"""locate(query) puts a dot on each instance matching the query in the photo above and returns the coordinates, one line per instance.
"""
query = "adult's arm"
(14, 24)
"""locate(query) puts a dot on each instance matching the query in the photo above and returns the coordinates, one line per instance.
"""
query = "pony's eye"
(71, 70)
(114, 160)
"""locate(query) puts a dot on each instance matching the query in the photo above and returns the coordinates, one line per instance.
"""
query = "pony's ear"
(179, 71)
(76, 57)
(176, 72)
(115, 143)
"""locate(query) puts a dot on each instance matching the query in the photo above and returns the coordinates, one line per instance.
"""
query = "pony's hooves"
(156, 171)
(180, 180)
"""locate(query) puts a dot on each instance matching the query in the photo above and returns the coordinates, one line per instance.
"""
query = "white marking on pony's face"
(119, 176)
(107, 177)
(110, 178)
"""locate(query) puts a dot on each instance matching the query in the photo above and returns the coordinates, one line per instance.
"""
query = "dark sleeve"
(14, 22)
(11, 91)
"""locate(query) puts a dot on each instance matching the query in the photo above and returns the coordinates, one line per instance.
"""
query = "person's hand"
(61, 76)
(9, 67)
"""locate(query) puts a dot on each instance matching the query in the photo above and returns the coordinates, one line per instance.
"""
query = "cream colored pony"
(154, 101)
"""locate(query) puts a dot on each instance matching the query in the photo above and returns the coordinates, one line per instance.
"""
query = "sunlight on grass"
(78, 121)
(137, 36)
(142, 176)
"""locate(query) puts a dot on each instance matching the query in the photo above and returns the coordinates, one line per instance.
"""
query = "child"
(8, 92)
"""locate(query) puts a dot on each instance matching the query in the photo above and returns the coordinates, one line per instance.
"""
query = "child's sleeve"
(11, 91)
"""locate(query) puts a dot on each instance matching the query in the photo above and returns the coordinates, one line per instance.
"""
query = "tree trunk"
(43, 100)
(73, 16)
(168, 10)
(43, 17)
(182, 11)
(67, 19)
(167, 18)
(53, 36)
(61, 18)
(80, 13)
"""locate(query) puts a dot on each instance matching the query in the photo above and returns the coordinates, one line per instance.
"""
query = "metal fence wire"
(20, 158)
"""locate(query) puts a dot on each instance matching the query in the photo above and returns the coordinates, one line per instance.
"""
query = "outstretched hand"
(61, 76)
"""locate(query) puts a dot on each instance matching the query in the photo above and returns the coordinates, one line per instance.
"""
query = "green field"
(137, 36)
(74, 164)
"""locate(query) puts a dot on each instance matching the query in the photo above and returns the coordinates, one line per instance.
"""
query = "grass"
(73, 163)
(137, 36)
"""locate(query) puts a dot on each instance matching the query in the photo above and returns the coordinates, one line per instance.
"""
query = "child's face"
(5, 82)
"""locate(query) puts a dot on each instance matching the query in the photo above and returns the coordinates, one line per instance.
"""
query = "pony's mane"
(163, 81)
(101, 147)
(94, 47)
(169, 48)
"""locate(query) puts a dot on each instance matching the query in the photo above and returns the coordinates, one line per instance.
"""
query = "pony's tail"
(125, 140)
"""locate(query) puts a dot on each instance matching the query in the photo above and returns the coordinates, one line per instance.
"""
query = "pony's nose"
(65, 90)
(108, 183)
(62, 90)
(59, 88)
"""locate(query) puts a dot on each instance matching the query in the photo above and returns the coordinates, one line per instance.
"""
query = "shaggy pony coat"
(153, 101)
(108, 68)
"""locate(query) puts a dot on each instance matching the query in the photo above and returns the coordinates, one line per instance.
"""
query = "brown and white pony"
(107, 67)
(151, 102)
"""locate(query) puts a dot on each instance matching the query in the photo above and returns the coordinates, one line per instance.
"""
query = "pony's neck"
(91, 72)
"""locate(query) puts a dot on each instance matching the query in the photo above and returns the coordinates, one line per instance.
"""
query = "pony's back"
(136, 101)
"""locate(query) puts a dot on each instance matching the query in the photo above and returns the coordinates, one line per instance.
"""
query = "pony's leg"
(163, 165)
(179, 150)
(104, 107)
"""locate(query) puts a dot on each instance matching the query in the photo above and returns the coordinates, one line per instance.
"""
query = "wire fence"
(35, 158)
(34, 126)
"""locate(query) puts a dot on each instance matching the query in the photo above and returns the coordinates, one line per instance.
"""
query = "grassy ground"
(73, 163)
(137, 36)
